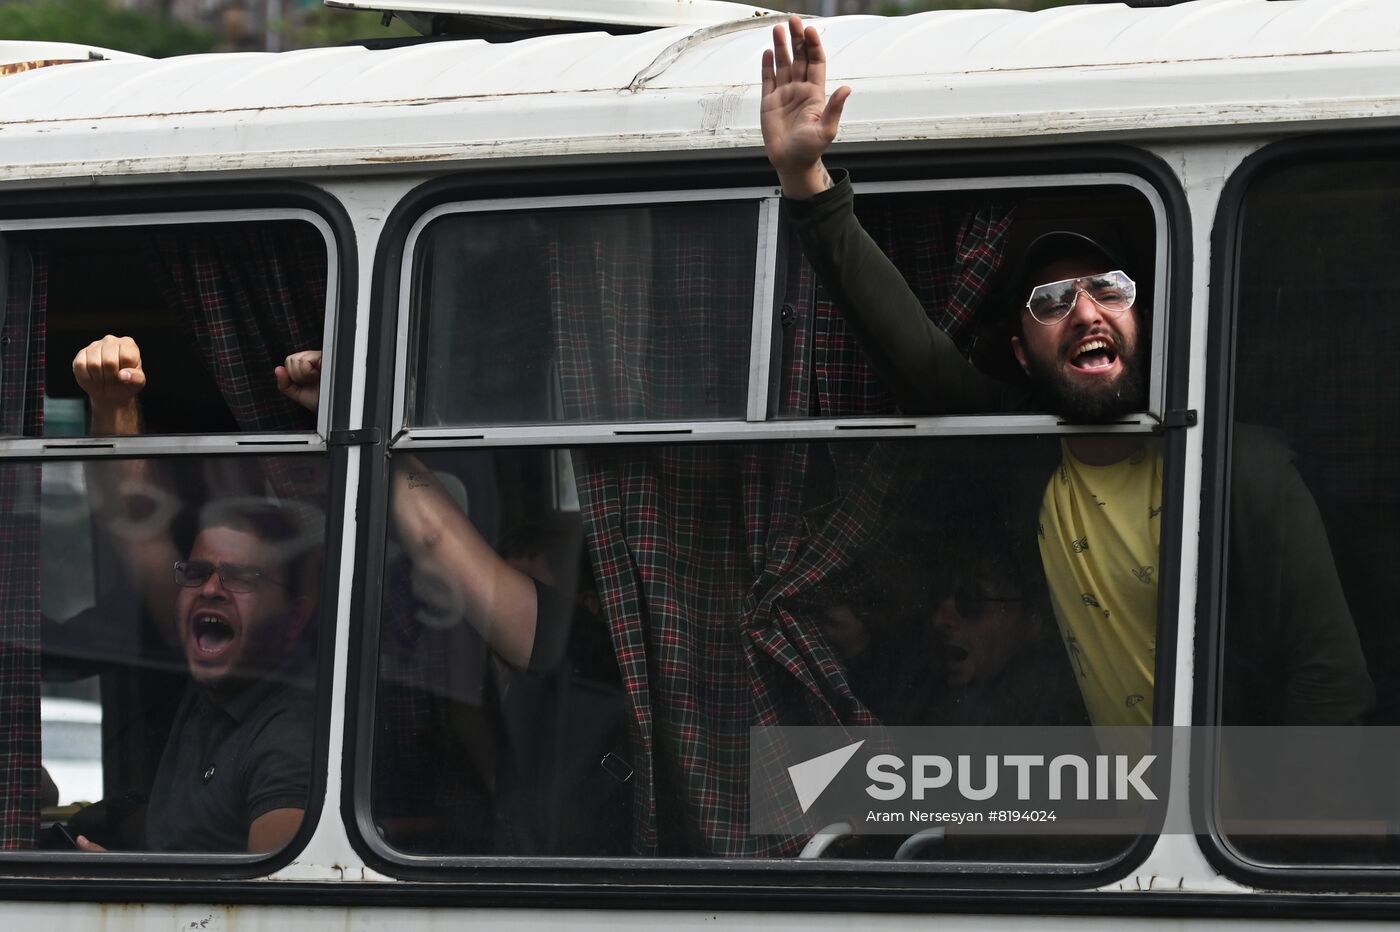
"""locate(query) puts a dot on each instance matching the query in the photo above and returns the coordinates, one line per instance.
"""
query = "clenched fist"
(109, 372)
(299, 378)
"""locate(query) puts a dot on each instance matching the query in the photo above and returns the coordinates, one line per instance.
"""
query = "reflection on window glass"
(1309, 637)
(586, 314)
(210, 308)
(72, 749)
(582, 682)
(174, 646)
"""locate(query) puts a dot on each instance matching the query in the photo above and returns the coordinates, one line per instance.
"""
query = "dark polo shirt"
(224, 766)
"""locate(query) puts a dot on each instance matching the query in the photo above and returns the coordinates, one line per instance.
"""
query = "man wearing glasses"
(235, 772)
(1076, 333)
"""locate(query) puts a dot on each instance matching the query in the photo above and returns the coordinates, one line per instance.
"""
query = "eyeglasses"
(971, 603)
(232, 576)
(1114, 291)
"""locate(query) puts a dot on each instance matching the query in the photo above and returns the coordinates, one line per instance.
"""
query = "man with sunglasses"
(235, 771)
(1076, 333)
(1001, 661)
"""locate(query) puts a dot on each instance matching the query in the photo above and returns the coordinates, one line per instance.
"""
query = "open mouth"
(1093, 354)
(955, 654)
(211, 633)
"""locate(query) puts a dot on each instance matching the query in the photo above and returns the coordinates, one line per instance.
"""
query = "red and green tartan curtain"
(247, 295)
(702, 554)
(22, 351)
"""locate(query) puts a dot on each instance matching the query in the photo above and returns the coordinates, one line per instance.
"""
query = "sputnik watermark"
(1248, 780)
(803, 779)
(811, 777)
(1116, 777)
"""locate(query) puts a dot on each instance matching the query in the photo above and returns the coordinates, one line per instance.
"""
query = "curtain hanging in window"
(249, 295)
(703, 553)
(22, 349)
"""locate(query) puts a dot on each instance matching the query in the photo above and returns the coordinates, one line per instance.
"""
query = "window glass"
(213, 308)
(584, 314)
(159, 652)
(1314, 494)
(143, 714)
(577, 674)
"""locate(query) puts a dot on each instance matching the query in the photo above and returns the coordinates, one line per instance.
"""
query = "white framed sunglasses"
(1113, 291)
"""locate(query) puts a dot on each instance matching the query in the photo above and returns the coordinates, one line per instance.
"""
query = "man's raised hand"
(798, 121)
(299, 378)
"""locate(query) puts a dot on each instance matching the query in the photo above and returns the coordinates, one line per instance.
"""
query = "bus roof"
(965, 77)
(25, 55)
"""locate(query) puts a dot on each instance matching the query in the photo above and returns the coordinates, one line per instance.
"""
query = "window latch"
(364, 437)
(1179, 417)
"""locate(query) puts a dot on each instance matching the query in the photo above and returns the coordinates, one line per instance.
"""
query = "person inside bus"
(968, 644)
(1079, 335)
(235, 771)
(563, 715)
(497, 596)
(874, 617)
(562, 783)
(992, 643)
(234, 774)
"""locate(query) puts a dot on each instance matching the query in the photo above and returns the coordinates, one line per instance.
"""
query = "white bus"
(597, 477)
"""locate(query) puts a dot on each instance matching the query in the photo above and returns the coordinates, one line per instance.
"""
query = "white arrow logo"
(811, 777)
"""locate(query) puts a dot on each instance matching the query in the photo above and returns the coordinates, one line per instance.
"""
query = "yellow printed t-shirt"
(1099, 543)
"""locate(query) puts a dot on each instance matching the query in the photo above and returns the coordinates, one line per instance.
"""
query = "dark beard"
(1077, 403)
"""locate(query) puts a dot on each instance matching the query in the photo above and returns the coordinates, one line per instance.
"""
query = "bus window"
(214, 308)
(161, 614)
(956, 255)
(577, 630)
(178, 700)
(558, 294)
(634, 680)
(1308, 637)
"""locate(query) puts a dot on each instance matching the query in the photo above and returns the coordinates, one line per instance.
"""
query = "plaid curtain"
(702, 553)
(21, 413)
(659, 335)
(949, 253)
(248, 296)
(251, 294)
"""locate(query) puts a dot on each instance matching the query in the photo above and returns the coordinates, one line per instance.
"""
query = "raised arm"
(797, 119)
(916, 360)
(497, 600)
(109, 372)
